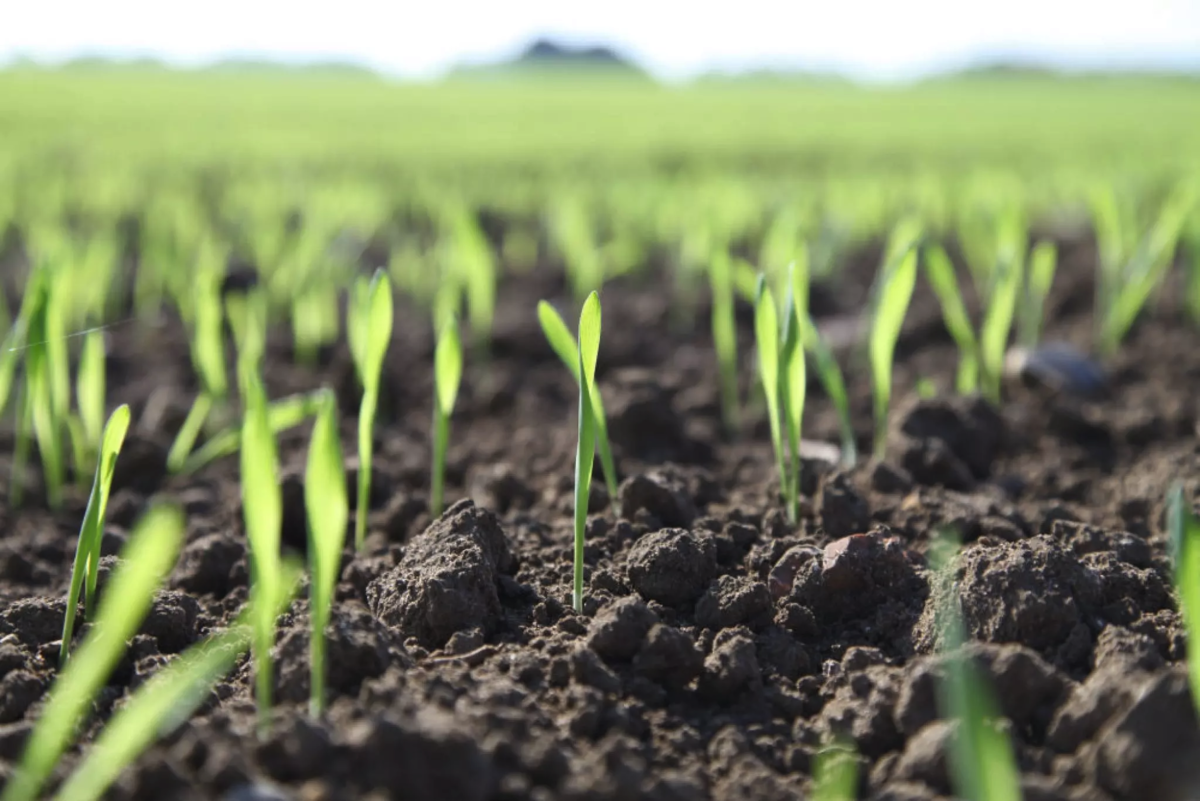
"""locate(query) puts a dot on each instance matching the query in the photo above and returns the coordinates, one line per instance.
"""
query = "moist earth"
(719, 644)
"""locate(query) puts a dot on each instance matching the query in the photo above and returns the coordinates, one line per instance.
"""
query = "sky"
(869, 39)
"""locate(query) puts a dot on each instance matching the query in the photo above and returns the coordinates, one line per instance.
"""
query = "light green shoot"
(262, 509)
(835, 773)
(940, 273)
(895, 291)
(766, 335)
(448, 367)
(793, 379)
(374, 323)
(1145, 270)
(998, 320)
(146, 560)
(87, 550)
(724, 333)
(1042, 263)
(1183, 531)
(585, 453)
(41, 407)
(834, 383)
(982, 765)
(90, 388)
(164, 703)
(328, 511)
(208, 359)
(565, 347)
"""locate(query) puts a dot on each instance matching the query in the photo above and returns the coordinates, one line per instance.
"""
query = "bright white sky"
(870, 38)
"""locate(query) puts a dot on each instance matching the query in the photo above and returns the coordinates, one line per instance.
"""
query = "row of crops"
(324, 253)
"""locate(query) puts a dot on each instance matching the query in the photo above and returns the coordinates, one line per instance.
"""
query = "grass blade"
(834, 383)
(378, 335)
(448, 367)
(589, 349)
(898, 281)
(766, 335)
(328, 510)
(1042, 264)
(1183, 531)
(87, 550)
(90, 387)
(940, 273)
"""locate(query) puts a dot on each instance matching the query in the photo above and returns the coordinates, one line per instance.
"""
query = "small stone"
(783, 574)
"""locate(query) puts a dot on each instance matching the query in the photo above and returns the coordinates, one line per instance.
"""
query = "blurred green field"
(155, 118)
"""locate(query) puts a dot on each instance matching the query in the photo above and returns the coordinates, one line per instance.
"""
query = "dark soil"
(719, 645)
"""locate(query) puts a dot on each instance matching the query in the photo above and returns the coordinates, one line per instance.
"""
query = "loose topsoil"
(719, 645)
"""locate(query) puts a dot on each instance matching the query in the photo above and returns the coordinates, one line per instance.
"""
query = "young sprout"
(370, 331)
(997, 321)
(940, 273)
(835, 772)
(766, 335)
(724, 333)
(328, 511)
(1183, 536)
(982, 765)
(44, 412)
(564, 345)
(1145, 270)
(895, 290)
(89, 395)
(1042, 263)
(87, 550)
(165, 702)
(282, 414)
(793, 379)
(835, 387)
(208, 359)
(262, 509)
(585, 360)
(448, 366)
(146, 560)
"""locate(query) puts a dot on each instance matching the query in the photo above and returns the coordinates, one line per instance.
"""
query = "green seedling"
(835, 773)
(146, 560)
(448, 367)
(724, 333)
(87, 550)
(262, 508)
(834, 383)
(208, 359)
(982, 764)
(898, 279)
(1145, 270)
(328, 510)
(766, 335)
(90, 390)
(1042, 264)
(165, 702)
(781, 368)
(43, 412)
(998, 320)
(1183, 531)
(565, 347)
(370, 332)
(940, 273)
(585, 360)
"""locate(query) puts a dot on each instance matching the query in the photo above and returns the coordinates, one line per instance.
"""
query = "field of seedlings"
(598, 440)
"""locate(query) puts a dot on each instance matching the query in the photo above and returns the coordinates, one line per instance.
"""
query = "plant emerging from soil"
(208, 359)
(834, 383)
(146, 560)
(1183, 530)
(262, 509)
(87, 551)
(327, 508)
(782, 371)
(369, 330)
(447, 373)
(586, 355)
(982, 764)
(940, 273)
(893, 293)
(567, 349)
(1043, 261)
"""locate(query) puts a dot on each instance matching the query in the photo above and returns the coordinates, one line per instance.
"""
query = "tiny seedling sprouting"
(87, 551)
(895, 289)
(447, 367)
(585, 359)
(370, 332)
